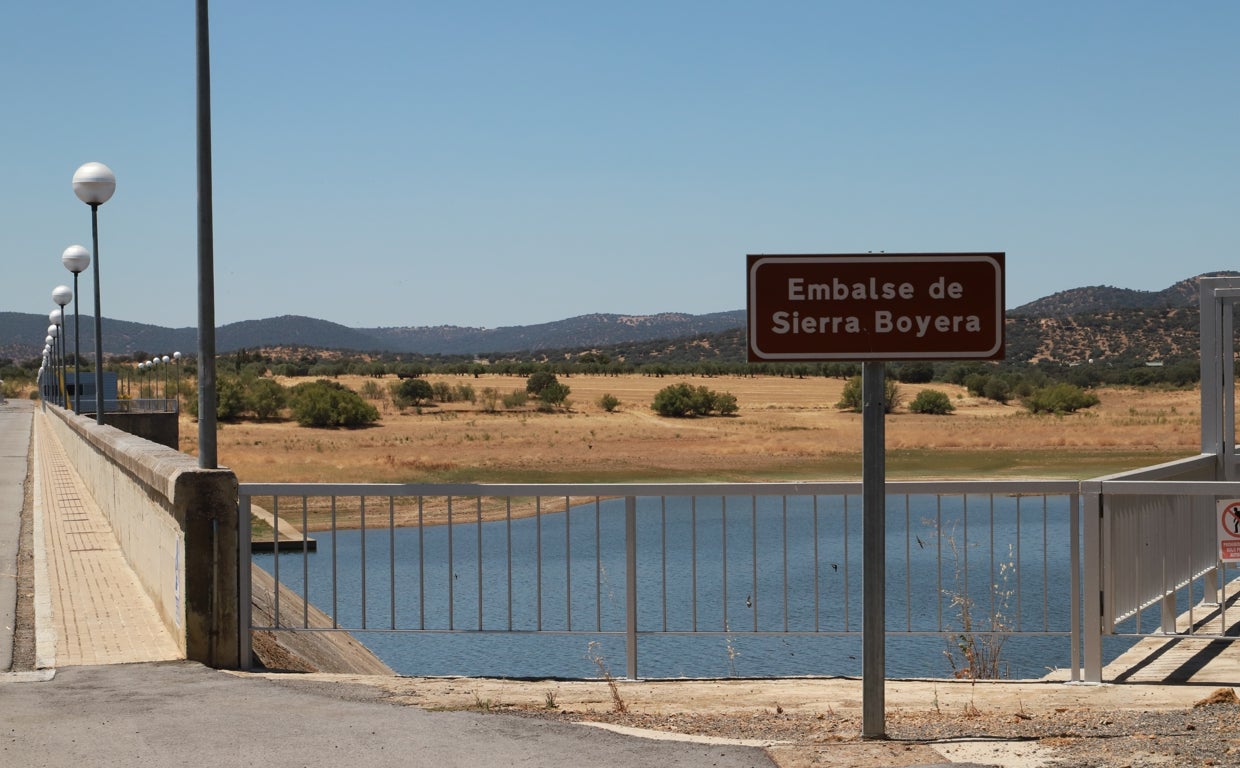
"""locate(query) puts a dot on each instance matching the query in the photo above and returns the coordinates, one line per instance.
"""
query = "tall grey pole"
(94, 236)
(206, 254)
(874, 551)
(77, 350)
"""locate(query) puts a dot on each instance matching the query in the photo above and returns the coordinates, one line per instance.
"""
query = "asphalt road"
(15, 416)
(173, 713)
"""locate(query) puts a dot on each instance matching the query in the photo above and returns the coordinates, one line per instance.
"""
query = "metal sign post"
(874, 308)
(874, 551)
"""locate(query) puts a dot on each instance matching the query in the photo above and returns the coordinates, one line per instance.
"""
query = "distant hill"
(1105, 298)
(1096, 322)
(584, 331)
(21, 335)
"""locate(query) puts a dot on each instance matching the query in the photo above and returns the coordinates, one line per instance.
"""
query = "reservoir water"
(775, 585)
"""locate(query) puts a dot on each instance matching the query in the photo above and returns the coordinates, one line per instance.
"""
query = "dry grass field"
(785, 429)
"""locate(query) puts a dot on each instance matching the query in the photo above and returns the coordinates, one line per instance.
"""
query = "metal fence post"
(244, 651)
(1092, 494)
(630, 586)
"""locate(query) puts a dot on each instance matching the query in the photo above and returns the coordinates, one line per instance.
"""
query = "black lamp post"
(94, 183)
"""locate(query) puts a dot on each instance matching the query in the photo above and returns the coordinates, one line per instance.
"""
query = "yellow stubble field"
(786, 429)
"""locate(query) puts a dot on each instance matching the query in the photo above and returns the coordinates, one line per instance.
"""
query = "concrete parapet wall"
(176, 524)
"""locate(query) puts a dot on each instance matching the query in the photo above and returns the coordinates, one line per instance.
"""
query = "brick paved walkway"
(91, 609)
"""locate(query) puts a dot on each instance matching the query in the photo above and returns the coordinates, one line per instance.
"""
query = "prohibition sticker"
(1229, 531)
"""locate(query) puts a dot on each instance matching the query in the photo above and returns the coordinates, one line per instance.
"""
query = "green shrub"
(682, 401)
(490, 399)
(851, 398)
(325, 403)
(997, 389)
(266, 398)
(932, 401)
(229, 398)
(609, 403)
(1060, 398)
(515, 399)
(554, 395)
(539, 381)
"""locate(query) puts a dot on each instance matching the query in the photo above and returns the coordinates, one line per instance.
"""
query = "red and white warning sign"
(1229, 531)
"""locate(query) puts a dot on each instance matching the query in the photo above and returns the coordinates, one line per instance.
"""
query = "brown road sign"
(890, 306)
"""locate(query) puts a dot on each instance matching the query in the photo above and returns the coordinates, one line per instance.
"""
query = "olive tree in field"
(411, 392)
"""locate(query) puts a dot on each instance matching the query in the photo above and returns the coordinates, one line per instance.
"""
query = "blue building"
(88, 389)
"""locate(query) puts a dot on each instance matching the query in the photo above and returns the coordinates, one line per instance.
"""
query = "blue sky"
(403, 163)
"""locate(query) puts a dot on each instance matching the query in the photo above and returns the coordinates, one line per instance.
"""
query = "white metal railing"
(1154, 538)
(966, 560)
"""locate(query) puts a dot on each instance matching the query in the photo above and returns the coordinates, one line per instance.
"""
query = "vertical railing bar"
(663, 554)
(693, 559)
(245, 586)
(630, 586)
(993, 582)
(753, 561)
(1222, 610)
(938, 539)
(362, 540)
(908, 564)
(1074, 601)
(508, 547)
(724, 499)
(451, 570)
(847, 571)
(479, 529)
(421, 564)
(335, 573)
(538, 562)
(965, 502)
(568, 565)
(305, 563)
(1020, 565)
(392, 558)
(817, 570)
(275, 557)
(1135, 560)
(598, 566)
(1046, 580)
(785, 516)
(1190, 571)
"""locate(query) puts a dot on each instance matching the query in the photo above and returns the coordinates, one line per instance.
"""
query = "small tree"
(609, 403)
(411, 392)
(932, 401)
(539, 381)
(997, 389)
(265, 398)
(554, 395)
(229, 398)
(851, 399)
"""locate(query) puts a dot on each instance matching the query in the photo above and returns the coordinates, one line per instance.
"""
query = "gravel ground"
(1202, 736)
